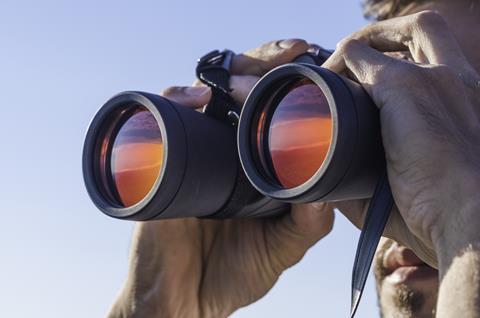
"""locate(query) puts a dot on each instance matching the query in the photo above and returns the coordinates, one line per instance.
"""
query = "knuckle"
(269, 47)
(410, 72)
(401, 72)
(264, 50)
(348, 45)
(429, 19)
(397, 79)
(364, 32)
(170, 91)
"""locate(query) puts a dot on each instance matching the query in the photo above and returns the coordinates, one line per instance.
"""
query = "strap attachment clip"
(213, 69)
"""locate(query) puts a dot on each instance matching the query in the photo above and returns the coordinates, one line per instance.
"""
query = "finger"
(193, 97)
(354, 210)
(262, 59)
(241, 86)
(425, 34)
(396, 228)
(291, 236)
(378, 73)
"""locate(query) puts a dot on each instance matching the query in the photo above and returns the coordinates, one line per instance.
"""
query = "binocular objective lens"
(299, 132)
(137, 156)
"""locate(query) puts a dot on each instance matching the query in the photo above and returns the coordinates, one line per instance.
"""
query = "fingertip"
(190, 96)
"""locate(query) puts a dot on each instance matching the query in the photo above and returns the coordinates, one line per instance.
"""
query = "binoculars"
(304, 134)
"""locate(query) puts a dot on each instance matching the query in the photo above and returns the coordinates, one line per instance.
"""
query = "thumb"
(289, 237)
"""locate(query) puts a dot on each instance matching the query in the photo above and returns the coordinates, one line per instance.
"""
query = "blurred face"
(406, 286)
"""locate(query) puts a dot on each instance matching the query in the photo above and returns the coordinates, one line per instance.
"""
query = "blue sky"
(59, 61)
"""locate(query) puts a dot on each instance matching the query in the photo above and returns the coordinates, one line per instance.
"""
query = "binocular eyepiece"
(305, 134)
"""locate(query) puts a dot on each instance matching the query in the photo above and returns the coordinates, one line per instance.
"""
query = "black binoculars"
(304, 134)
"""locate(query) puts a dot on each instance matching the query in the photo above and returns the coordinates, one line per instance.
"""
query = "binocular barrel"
(146, 157)
(305, 134)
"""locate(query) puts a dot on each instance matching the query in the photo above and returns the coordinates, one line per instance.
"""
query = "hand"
(246, 70)
(209, 268)
(430, 111)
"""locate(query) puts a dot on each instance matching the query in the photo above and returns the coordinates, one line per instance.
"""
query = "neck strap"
(375, 221)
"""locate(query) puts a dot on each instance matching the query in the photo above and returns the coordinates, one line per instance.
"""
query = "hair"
(385, 9)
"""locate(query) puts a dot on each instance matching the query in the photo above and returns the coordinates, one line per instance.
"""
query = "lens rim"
(344, 127)
(170, 174)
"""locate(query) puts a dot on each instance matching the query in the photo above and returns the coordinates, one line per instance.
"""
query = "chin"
(401, 300)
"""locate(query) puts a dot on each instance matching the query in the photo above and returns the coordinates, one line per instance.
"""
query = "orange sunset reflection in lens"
(137, 157)
(300, 133)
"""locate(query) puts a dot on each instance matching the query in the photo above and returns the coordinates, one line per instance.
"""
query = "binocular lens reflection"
(137, 157)
(299, 133)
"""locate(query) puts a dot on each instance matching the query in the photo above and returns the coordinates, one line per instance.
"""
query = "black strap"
(377, 216)
(378, 210)
(213, 69)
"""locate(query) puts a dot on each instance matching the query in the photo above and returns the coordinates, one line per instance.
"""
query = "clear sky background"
(59, 61)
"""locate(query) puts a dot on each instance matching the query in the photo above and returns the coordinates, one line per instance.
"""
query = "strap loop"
(213, 69)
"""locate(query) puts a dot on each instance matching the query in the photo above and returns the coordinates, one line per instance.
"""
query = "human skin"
(463, 18)
(406, 286)
(431, 174)
(459, 23)
(430, 110)
(209, 268)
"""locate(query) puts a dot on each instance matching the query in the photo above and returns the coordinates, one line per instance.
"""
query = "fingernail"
(288, 44)
(196, 90)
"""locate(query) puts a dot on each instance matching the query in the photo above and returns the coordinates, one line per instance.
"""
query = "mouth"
(409, 274)
(402, 266)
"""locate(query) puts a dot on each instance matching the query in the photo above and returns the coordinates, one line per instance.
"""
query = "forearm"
(459, 262)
